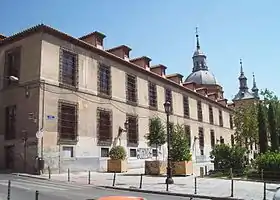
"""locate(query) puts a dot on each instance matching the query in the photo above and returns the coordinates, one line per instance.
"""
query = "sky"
(165, 31)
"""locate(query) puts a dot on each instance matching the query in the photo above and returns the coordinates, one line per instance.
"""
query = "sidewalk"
(185, 185)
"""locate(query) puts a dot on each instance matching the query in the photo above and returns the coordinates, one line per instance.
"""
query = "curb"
(170, 193)
(30, 176)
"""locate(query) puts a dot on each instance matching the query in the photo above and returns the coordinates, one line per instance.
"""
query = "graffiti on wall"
(146, 153)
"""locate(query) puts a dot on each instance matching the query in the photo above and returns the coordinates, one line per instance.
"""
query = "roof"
(242, 95)
(202, 77)
(49, 30)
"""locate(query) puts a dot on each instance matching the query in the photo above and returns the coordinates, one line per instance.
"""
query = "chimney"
(95, 39)
(190, 85)
(143, 62)
(223, 102)
(120, 51)
(177, 78)
(231, 105)
(213, 96)
(2, 37)
(202, 91)
(159, 69)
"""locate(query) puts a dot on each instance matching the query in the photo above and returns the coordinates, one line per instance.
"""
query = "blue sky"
(165, 31)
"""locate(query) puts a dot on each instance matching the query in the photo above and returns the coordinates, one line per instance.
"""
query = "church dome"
(203, 77)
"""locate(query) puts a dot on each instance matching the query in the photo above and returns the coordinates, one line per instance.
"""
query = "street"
(23, 188)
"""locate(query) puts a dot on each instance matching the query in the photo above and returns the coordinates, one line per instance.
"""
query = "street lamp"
(169, 180)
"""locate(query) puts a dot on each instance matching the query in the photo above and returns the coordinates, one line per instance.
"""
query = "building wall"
(86, 152)
(26, 106)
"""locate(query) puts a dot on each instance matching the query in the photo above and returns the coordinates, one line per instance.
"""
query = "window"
(211, 117)
(199, 111)
(186, 107)
(104, 80)
(67, 121)
(231, 122)
(221, 118)
(10, 122)
(212, 135)
(132, 132)
(104, 152)
(232, 140)
(104, 127)
(152, 95)
(201, 140)
(68, 69)
(68, 152)
(12, 65)
(131, 88)
(132, 153)
(168, 97)
(155, 152)
(188, 134)
(222, 140)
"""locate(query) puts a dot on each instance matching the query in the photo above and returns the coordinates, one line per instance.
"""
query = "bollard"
(231, 176)
(9, 190)
(89, 177)
(68, 172)
(195, 185)
(36, 195)
(49, 171)
(262, 174)
(231, 193)
(114, 179)
(264, 190)
(167, 186)
(141, 180)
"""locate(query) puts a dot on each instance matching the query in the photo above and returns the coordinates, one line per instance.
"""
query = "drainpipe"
(43, 117)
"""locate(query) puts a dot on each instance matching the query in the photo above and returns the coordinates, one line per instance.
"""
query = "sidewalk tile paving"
(205, 186)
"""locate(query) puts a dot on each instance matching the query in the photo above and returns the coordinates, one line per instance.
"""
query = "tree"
(271, 98)
(179, 145)
(246, 125)
(262, 129)
(271, 118)
(156, 135)
(226, 157)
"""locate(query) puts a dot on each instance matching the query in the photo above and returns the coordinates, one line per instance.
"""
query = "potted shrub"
(180, 152)
(156, 137)
(117, 161)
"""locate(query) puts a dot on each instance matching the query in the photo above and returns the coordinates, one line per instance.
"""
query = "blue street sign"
(50, 117)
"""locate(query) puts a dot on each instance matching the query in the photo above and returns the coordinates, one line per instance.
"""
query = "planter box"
(117, 166)
(155, 167)
(182, 168)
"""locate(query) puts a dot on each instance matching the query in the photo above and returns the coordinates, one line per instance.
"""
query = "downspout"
(43, 117)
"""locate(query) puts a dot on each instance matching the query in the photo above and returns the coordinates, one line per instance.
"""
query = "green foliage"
(246, 125)
(270, 162)
(272, 127)
(179, 145)
(226, 157)
(117, 153)
(157, 134)
(262, 128)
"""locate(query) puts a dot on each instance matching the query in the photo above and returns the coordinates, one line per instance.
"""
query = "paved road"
(24, 189)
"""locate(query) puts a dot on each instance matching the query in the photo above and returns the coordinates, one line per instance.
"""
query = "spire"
(241, 68)
(255, 89)
(242, 78)
(199, 59)
(197, 39)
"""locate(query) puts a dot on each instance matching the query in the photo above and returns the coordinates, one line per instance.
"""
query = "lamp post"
(169, 180)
